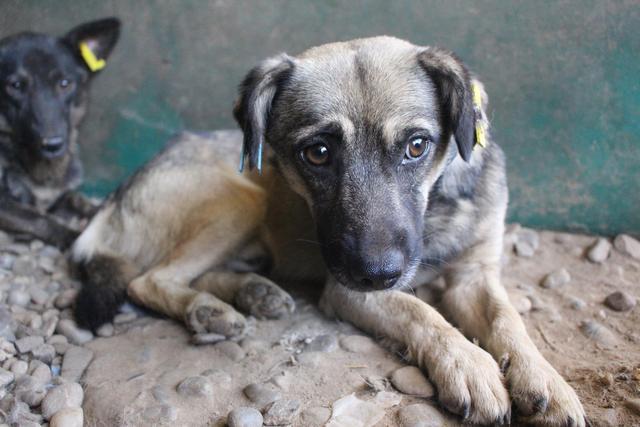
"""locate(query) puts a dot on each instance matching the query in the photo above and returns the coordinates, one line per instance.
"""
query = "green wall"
(563, 79)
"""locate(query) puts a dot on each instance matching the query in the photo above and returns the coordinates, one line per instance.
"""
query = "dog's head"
(362, 130)
(43, 81)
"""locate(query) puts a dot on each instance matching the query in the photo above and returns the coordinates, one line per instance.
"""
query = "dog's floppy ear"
(456, 96)
(93, 41)
(252, 107)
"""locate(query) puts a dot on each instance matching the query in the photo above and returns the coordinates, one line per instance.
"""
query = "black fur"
(44, 83)
(456, 100)
(104, 283)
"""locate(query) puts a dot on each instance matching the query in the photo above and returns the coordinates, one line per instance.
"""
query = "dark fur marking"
(104, 290)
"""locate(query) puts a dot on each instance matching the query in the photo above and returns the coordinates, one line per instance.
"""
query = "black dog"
(43, 97)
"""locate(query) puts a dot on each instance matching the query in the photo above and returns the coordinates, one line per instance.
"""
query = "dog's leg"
(74, 203)
(165, 288)
(18, 218)
(479, 305)
(468, 380)
(250, 292)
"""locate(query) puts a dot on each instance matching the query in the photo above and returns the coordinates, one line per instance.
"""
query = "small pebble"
(599, 251)
(19, 298)
(38, 296)
(230, 349)
(521, 303)
(627, 245)
(27, 344)
(598, 332)
(261, 394)
(197, 386)
(124, 318)
(315, 417)
(105, 330)
(75, 335)
(527, 242)
(29, 390)
(67, 417)
(65, 299)
(76, 359)
(281, 412)
(40, 371)
(576, 303)
(410, 380)
(421, 415)
(244, 417)
(6, 377)
(19, 367)
(620, 301)
(556, 279)
(44, 353)
(66, 395)
(359, 344)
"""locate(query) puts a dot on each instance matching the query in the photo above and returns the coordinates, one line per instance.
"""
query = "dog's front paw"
(541, 396)
(207, 314)
(263, 299)
(469, 383)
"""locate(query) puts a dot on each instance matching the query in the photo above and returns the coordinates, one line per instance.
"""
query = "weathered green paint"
(563, 78)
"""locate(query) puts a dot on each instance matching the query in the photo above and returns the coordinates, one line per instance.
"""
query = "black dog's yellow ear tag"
(481, 138)
(90, 59)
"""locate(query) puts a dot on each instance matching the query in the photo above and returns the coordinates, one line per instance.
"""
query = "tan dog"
(370, 176)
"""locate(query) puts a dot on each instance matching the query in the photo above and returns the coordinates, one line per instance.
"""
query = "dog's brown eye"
(64, 83)
(416, 148)
(317, 154)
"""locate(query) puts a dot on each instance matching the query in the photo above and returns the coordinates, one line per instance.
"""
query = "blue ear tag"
(259, 160)
(241, 167)
(259, 165)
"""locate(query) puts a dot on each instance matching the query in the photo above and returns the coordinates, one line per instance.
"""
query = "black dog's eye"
(316, 154)
(17, 85)
(64, 83)
(416, 148)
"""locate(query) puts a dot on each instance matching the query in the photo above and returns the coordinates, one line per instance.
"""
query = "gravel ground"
(576, 293)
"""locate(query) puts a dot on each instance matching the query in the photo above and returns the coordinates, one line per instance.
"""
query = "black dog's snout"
(378, 272)
(53, 146)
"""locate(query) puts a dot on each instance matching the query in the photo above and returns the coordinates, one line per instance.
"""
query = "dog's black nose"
(379, 274)
(53, 146)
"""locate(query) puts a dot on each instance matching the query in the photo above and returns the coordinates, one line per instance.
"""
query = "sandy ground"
(134, 376)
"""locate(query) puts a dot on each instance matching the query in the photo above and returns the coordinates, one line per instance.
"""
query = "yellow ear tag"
(477, 107)
(89, 57)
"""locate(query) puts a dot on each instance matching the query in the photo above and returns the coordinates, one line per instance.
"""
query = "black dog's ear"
(455, 93)
(93, 41)
(251, 109)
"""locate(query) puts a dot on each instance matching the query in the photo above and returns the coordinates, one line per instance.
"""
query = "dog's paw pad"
(211, 316)
(264, 300)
